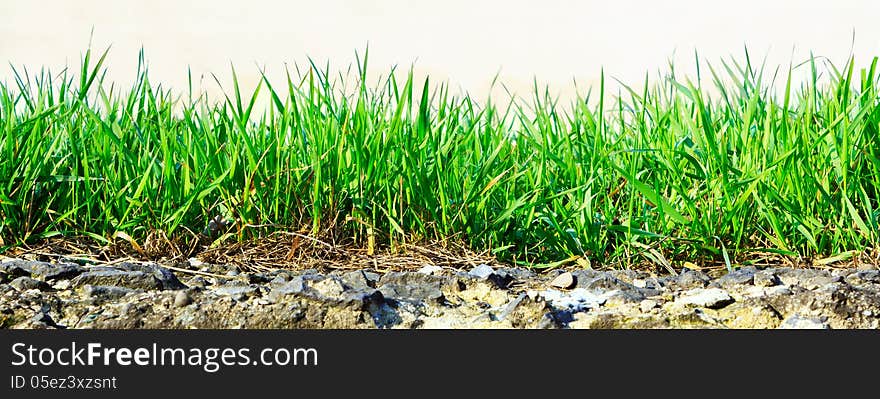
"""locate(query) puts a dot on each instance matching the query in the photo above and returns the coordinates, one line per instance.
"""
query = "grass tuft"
(670, 172)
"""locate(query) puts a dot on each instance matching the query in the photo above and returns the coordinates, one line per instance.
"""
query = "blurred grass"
(672, 168)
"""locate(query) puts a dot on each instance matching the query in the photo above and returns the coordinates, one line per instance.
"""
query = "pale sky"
(463, 42)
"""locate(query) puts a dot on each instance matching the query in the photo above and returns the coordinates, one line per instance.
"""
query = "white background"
(463, 42)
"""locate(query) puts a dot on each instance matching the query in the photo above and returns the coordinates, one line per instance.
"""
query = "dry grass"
(290, 250)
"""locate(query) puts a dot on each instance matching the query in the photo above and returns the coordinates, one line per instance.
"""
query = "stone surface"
(691, 279)
(106, 293)
(803, 323)
(51, 272)
(766, 279)
(167, 280)
(741, 276)
(118, 278)
(713, 298)
(357, 279)
(235, 290)
(482, 272)
(137, 295)
(26, 283)
(431, 269)
(412, 286)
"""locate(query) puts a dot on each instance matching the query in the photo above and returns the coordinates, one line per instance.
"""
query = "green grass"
(691, 175)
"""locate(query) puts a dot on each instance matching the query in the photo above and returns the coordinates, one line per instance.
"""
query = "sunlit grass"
(670, 167)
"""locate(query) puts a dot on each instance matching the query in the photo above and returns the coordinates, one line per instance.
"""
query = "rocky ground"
(148, 295)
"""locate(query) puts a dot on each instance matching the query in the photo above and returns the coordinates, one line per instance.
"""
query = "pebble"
(182, 299)
(564, 280)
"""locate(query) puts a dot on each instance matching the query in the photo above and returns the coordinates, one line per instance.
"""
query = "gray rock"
(373, 278)
(713, 298)
(482, 271)
(528, 311)
(27, 283)
(118, 278)
(516, 273)
(16, 268)
(611, 288)
(235, 290)
(616, 297)
(43, 319)
(412, 286)
(807, 278)
(864, 277)
(803, 323)
(55, 271)
(307, 299)
(167, 279)
(106, 293)
(254, 278)
(625, 275)
(356, 279)
(586, 275)
(329, 287)
(600, 281)
(279, 280)
(743, 276)
(651, 283)
(295, 286)
(766, 278)
(302, 285)
(692, 279)
(820, 282)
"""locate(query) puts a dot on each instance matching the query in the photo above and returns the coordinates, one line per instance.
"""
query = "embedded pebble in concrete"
(147, 295)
